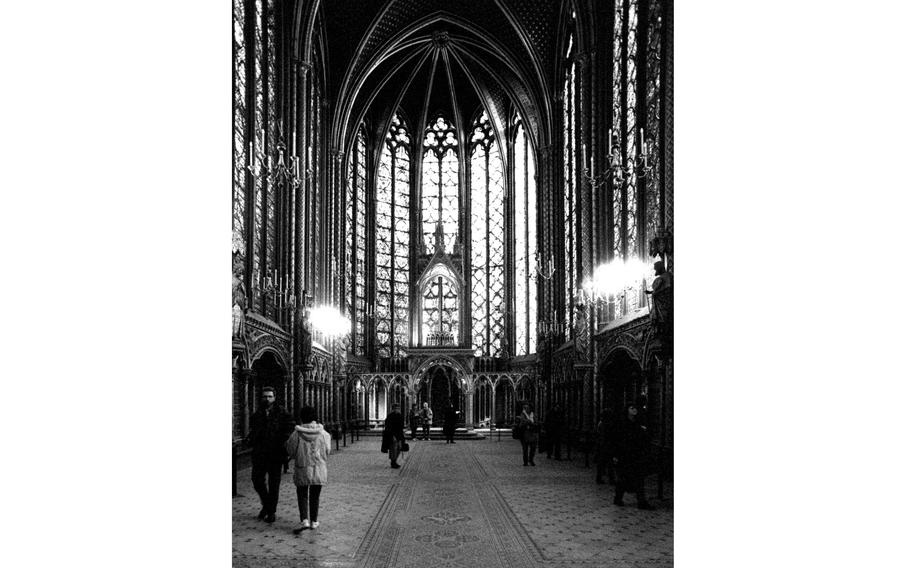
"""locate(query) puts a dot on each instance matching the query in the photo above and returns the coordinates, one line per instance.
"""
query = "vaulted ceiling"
(451, 55)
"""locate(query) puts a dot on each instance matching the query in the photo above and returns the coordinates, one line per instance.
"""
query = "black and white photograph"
(452, 283)
(514, 283)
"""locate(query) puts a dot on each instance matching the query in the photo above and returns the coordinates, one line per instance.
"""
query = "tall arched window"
(440, 184)
(654, 116)
(439, 294)
(487, 240)
(270, 57)
(570, 197)
(241, 149)
(356, 217)
(631, 234)
(393, 244)
(258, 54)
(525, 245)
(618, 200)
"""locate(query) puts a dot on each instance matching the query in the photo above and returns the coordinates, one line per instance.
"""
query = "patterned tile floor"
(463, 505)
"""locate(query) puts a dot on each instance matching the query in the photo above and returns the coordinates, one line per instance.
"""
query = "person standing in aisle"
(393, 435)
(553, 429)
(631, 455)
(426, 417)
(530, 432)
(269, 427)
(449, 418)
(414, 420)
(604, 448)
(309, 445)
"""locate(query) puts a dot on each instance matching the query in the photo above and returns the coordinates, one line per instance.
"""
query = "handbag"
(405, 447)
(516, 432)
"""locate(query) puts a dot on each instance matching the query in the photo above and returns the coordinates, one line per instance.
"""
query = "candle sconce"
(279, 167)
(641, 163)
(551, 329)
(276, 291)
(546, 270)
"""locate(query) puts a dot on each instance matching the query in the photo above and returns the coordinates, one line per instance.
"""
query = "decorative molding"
(441, 39)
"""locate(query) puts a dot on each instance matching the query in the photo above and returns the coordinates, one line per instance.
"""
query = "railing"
(440, 339)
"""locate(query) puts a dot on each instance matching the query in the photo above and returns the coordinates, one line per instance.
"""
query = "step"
(436, 434)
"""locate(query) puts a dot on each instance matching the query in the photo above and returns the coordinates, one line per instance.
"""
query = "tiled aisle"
(463, 505)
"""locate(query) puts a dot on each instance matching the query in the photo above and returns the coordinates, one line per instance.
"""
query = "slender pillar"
(469, 409)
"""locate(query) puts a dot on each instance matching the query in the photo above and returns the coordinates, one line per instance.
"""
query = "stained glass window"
(440, 184)
(631, 235)
(654, 112)
(259, 265)
(316, 232)
(617, 194)
(271, 129)
(240, 147)
(439, 324)
(525, 245)
(355, 241)
(393, 244)
(570, 197)
(487, 240)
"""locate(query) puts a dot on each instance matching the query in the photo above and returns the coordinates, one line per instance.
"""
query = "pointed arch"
(393, 239)
(488, 223)
(440, 188)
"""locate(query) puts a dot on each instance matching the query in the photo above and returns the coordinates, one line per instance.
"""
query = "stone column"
(244, 376)
(299, 226)
(469, 407)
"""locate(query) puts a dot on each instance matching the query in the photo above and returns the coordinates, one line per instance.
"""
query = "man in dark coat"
(630, 457)
(414, 420)
(554, 426)
(393, 434)
(449, 417)
(604, 448)
(270, 426)
(426, 418)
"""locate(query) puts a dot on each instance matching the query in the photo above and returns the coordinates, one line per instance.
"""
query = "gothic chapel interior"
(441, 200)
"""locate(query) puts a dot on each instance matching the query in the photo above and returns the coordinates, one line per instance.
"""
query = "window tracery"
(393, 198)
(570, 196)
(487, 240)
(356, 217)
(525, 245)
(440, 184)
(439, 294)
(239, 131)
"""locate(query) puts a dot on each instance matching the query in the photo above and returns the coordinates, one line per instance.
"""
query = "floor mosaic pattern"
(463, 505)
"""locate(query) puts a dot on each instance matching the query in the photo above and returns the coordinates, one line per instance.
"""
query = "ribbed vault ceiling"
(424, 56)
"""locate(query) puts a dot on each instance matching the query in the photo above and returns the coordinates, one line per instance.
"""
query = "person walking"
(631, 452)
(530, 432)
(414, 420)
(393, 435)
(309, 445)
(553, 429)
(269, 427)
(604, 448)
(426, 418)
(449, 418)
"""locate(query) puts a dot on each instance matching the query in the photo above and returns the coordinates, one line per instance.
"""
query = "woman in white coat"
(309, 445)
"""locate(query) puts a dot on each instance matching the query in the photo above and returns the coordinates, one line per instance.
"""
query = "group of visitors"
(274, 439)
(423, 418)
(621, 447)
(621, 450)
(393, 437)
